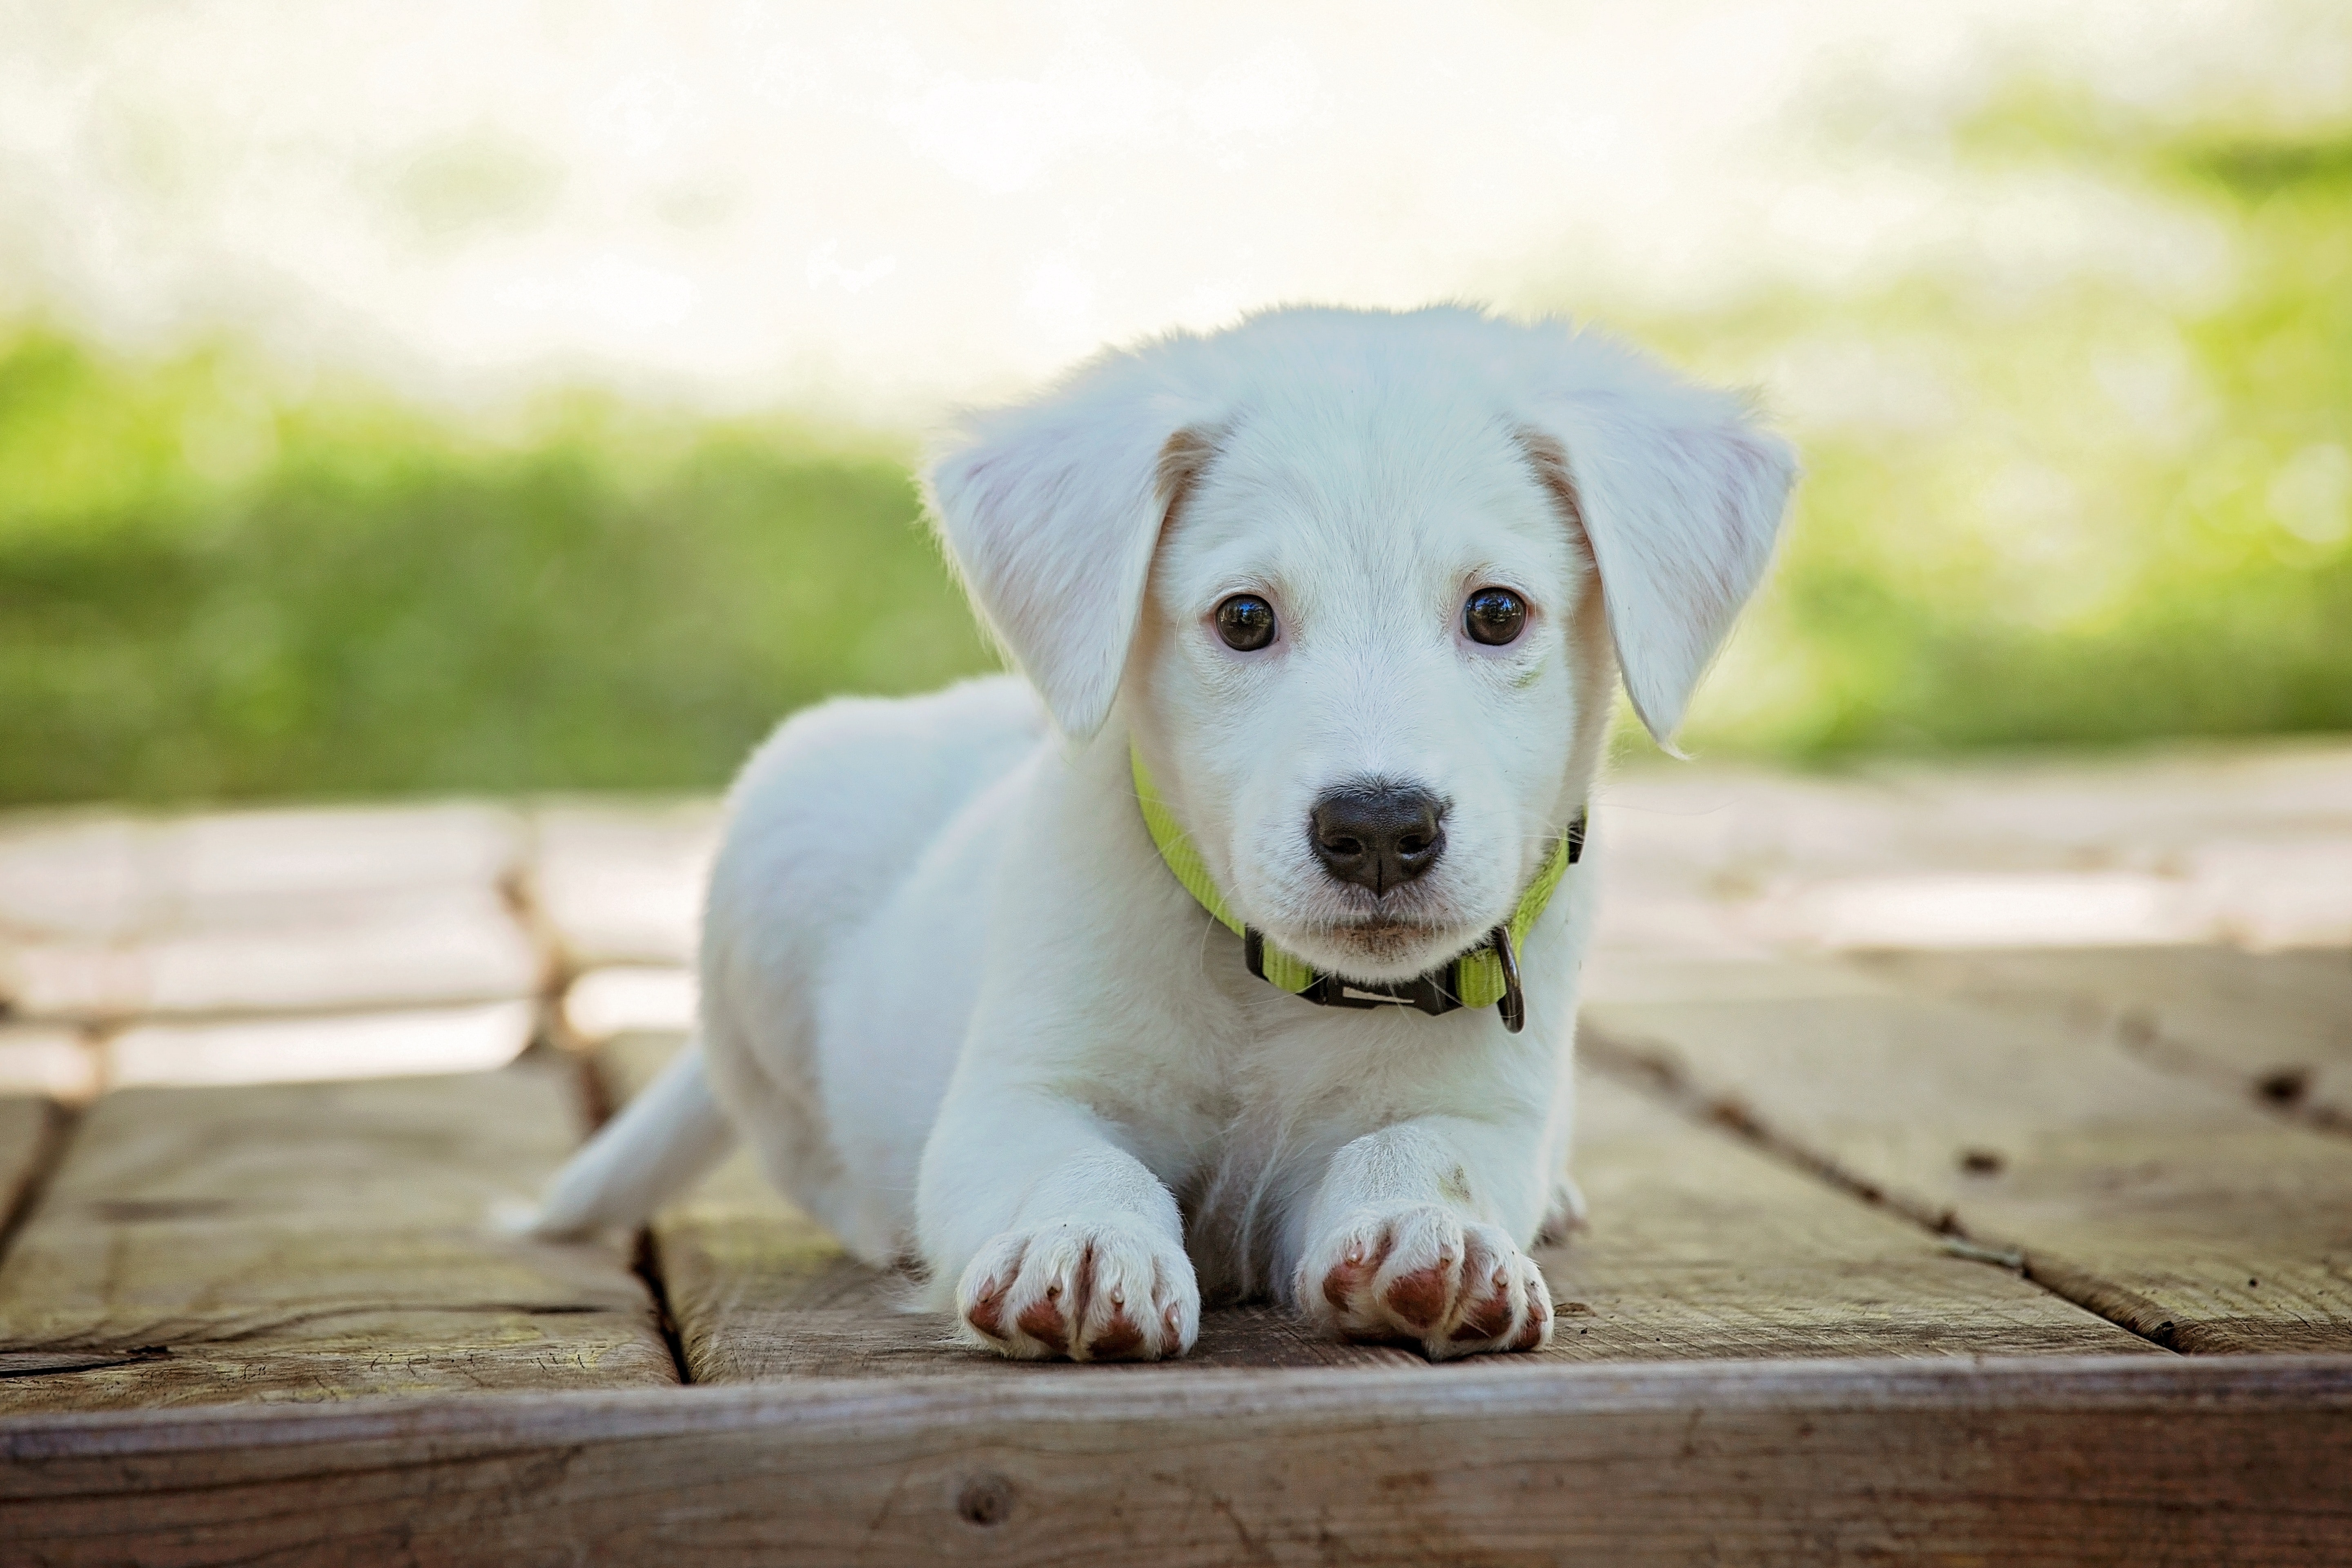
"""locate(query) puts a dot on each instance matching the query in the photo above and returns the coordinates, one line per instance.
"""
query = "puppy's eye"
(1495, 617)
(1245, 622)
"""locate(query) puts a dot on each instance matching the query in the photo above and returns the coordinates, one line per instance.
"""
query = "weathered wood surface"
(243, 913)
(2184, 1213)
(1698, 1247)
(758, 1290)
(406, 1043)
(316, 1241)
(413, 947)
(27, 1127)
(2249, 846)
(2039, 1461)
(1756, 1364)
(622, 885)
(2276, 1025)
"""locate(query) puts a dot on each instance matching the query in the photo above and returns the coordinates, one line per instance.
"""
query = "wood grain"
(760, 1291)
(2039, 1461)
(1698, 1247)
(2275, 1026)
(2185, 1213)
(315, 1241)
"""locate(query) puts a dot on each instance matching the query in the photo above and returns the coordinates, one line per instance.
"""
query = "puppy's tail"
(662, 1142)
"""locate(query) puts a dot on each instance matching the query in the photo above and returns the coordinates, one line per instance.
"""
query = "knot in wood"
(985, 1500)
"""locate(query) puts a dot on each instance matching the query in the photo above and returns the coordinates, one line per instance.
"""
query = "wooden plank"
(81, 873)
(599, 1003)
(29, 1127)
(1699, 1246)
(623, 885)
(314, 1241)
(401, 1042)
(234, 913)
(760, 1291)
(2250, 844)
(2059, 1461)
(410, 947)
(45, 1061)
(2277, 1026)
(2187, 1215)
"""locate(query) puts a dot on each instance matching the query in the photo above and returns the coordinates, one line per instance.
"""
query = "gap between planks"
(1700, 1248)
(1662, 1078)
(24, 1184)
(2274, 1027)
(560, 970)
(597, 1103)
(2184, 1215)
(304, 1241)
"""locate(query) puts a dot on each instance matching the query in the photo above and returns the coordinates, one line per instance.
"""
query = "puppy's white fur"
(963, 1011)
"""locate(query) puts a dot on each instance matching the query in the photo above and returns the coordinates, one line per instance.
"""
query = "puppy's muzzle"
(1377, 835)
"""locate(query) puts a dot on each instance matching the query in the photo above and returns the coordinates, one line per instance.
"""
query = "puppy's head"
(1360, 585)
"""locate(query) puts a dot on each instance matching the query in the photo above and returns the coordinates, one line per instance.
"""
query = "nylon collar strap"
(1485, 976)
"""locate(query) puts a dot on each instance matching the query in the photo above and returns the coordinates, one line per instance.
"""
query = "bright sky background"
(870, 209)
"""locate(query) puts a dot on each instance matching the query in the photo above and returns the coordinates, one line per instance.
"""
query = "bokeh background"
(488, 397)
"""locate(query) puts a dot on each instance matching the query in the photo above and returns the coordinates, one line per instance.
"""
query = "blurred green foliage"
(2110, 508)
(205, 595)
(2107, 507)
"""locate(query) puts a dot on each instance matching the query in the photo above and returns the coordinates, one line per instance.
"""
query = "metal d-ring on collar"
(1488, 972)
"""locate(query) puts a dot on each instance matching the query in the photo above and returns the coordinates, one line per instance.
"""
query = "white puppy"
(1344, 595)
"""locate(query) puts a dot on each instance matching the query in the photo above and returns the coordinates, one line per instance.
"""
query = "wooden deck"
(1970, 1156)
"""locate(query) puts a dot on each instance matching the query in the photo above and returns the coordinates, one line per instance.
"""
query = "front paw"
(1084, 1289)
(1421, 1275)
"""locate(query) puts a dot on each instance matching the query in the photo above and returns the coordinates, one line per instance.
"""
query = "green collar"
(1485, 976)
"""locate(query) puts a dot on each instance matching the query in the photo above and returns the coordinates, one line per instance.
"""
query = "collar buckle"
(1436, 993)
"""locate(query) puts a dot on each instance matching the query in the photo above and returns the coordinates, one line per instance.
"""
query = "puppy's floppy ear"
(1052, 510)
(1679, 492)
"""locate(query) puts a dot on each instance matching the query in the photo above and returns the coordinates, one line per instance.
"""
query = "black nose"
(1377, 835)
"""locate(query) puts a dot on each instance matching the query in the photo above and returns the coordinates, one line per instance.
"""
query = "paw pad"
(1042, 1321)
(1422, 1276)
(1419, 1297)
(1099, 1291)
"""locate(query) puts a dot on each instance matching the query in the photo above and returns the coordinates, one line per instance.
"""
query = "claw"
(1073, 1290)
(1462, 1287)
(1489, 1319)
